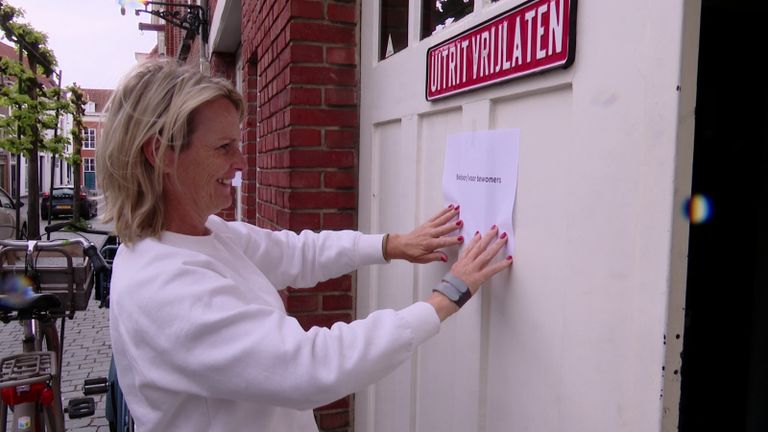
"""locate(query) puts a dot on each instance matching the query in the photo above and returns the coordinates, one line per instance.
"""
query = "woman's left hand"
(421, 245)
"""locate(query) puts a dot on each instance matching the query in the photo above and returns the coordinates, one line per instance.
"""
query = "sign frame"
(567, 61)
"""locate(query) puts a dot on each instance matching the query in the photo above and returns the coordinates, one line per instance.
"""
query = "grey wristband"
(455, 289)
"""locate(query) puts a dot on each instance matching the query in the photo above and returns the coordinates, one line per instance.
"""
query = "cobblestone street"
(87, 353)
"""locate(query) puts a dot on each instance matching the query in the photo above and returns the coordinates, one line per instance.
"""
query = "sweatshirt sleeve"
(214, 345)
(302, 260)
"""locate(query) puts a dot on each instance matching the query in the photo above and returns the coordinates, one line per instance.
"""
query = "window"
(89, 165)
(439, 13)
(394, 27)
(89, 138)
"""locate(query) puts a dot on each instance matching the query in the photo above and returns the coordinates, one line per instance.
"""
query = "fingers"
(476, 265)
(444, 220)
(483, 242)
(444, 215)
(496, 267)
(431, 257)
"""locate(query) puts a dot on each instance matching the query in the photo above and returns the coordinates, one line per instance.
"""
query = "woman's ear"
(151, 147)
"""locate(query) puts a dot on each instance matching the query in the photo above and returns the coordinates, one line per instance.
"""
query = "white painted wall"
(575, 338)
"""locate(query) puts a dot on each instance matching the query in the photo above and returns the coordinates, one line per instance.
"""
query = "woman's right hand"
(474, 266)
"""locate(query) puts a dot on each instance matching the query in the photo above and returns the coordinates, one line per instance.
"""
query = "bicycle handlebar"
(61, 225)
(89, 249)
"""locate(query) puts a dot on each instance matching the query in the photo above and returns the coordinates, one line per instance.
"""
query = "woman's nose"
(239, 161)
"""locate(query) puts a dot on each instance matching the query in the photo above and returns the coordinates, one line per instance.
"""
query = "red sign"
(536, 36)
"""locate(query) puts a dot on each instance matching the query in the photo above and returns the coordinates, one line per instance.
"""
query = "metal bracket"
(194, 20)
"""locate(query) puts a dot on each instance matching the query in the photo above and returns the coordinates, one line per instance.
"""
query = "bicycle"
(117, 413)
(43, 281)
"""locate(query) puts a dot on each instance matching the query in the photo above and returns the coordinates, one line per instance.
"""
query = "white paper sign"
(480, 174)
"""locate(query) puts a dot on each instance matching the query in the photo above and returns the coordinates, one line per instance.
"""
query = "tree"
(77, 105)
(34, 107)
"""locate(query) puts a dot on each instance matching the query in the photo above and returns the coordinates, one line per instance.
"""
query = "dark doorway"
(725, 349)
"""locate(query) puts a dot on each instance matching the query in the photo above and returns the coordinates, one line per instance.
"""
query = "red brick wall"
(301, 136)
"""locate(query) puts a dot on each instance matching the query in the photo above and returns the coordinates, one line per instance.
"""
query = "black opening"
(725, 348)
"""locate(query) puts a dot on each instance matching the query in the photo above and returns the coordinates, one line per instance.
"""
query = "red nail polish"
(459, 222)
(457, 207)
(460, 239)
(509, 257)
(443, 259)
(503, 235)
(450, 206)
(477, 232)
(493, 227)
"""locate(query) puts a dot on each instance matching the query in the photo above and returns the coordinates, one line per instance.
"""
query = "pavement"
(87, 353)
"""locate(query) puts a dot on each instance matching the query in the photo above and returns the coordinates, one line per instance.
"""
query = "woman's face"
(204, 170)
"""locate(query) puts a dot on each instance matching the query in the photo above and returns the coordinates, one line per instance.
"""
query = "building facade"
(603, 323)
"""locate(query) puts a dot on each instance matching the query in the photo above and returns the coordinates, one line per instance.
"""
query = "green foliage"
(35, 43)
(77, 109)
(34, 109)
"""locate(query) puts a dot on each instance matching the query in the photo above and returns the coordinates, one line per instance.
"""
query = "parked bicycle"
(44, 281)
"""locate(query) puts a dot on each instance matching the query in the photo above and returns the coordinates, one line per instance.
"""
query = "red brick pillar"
(301, 138)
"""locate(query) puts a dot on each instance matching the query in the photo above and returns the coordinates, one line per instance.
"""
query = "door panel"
(574, 338)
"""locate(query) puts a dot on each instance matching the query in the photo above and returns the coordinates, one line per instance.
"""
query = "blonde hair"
(153, 103)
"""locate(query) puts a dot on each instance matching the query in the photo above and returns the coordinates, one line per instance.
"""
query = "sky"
(94, 44)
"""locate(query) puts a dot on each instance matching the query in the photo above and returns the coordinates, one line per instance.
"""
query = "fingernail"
(460, 239)
(459, 222)
(509, 257)
(457, 207)
(503, 235)
(493, 227)
(443, 259)
(477, 233)
(450, 206)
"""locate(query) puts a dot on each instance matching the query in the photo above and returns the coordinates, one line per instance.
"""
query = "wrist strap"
(455, 289)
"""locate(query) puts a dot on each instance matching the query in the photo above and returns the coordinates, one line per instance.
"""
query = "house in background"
(92, 120)
(62, 171)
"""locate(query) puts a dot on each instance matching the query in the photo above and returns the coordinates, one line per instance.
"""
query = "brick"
(322, 75)
(341, 55)
(337, 420)
(337, 302)
(340, 97)
(303, 53)
(321, 200)
(306, 9)
(339, 221)
(340, 138)
(301, 221)
(321, 159)
(339, 179)
(305, 179)
(344, 13)
(305, 96)
(304, 137)
(301, 303)
(322, 33)
(321, 117)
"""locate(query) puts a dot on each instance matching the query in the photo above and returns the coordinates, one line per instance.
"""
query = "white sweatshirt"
(202, 341)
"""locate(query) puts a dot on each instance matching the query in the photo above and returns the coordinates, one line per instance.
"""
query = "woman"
(200, 336)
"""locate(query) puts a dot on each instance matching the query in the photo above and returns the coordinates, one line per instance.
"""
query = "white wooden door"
(585, 333)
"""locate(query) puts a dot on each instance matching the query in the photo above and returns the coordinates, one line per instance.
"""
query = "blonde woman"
(201, 338)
